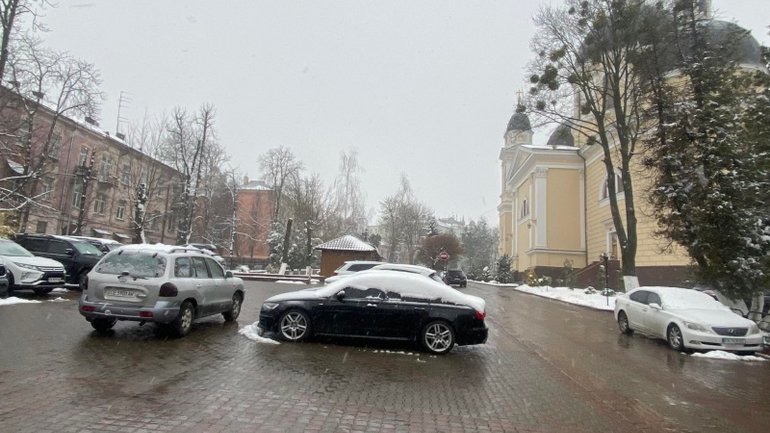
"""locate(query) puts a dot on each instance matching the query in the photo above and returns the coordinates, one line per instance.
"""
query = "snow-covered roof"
(255, 185)
(546, 147)
(346, 243)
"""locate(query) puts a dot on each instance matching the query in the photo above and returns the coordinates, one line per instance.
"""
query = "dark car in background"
(456, 277)
(105, 245)
(3, 282)
(77, 256)
(383, 305)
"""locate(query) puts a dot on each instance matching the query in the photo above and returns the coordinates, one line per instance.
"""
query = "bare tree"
(405, 219)
(584, 60)
(10, 13)
(345, 200)
(279, 166)
(46, 86)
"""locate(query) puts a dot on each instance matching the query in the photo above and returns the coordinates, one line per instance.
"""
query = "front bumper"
(161, 312)
(708, 341)
(268, 323)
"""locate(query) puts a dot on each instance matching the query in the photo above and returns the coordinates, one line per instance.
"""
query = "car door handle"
(371, 305)
(419, 309)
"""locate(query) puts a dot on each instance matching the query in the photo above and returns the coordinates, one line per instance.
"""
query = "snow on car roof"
(406, 268)
(408, 284)
(678, 297)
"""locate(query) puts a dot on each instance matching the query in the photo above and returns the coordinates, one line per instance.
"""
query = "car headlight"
(754, 329)
(269, 306)
(26, 266)
(697, 327)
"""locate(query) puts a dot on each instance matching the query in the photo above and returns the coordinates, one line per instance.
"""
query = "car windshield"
(137, 264)
(691, 300)
(86, 248)
(12, 249)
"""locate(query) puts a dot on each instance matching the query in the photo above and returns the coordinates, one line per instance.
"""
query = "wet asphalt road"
(547, 367)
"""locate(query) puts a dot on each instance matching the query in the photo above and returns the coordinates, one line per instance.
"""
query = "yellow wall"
(525, 232)
(563, 197)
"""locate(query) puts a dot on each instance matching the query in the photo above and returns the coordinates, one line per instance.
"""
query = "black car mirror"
(228, 274)
(69, 252)
(340, 295)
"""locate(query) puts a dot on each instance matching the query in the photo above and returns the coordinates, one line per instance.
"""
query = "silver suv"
(170, 286)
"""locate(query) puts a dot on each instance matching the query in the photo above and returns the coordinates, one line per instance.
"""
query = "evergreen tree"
(709, 157)
(504, 274)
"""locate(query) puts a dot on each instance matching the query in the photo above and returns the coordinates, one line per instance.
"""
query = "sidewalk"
(594, 301)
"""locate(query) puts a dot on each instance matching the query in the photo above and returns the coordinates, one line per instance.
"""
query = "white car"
(414, 269)
(687, 319)
(27, 271)
(349, 268)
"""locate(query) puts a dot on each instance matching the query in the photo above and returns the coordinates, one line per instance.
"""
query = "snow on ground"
(250, 332)
(575, 296)
(727, 356)
(290, 282)
(59, 290)
(58, 299)
(14, 300)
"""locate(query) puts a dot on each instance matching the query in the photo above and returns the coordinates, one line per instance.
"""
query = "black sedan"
(379, 305)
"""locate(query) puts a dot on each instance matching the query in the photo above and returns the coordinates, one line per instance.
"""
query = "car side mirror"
(228, 274)
(655, 306)
(69, 252)
(340, 295)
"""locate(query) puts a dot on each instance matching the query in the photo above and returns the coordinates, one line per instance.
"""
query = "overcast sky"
(420, 87)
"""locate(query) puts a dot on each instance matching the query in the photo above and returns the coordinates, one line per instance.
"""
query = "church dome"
(519, 122)
(561, 136)
(747, 49)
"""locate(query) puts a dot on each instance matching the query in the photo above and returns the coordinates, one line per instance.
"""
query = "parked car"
(3, 282)
(349, 268)
(414, 269)
(24, 271)
(687, 319)
(379, 305)
(456, 277)
(167, 285)
(105, 245)
(77, 256)
(209, 250)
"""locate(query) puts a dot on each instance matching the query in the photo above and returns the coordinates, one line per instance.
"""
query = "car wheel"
(675, 338)
(83, 281)
(103, 325)
(623, 325)
(183, 322)
(235, 308)
(438, 337)
(294, 326)
(42, 291)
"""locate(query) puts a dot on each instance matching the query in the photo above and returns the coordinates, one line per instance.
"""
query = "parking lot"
(547, 367)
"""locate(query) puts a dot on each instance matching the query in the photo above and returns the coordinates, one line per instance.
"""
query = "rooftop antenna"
(123, 102)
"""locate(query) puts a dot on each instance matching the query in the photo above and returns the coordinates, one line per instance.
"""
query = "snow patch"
(58, 299)
(290, 282)
(14, 300)
(596, 301)
(727, 356)
(250, 332)
(59, 290)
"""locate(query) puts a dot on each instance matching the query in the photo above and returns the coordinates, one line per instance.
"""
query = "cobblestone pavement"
(548, 367)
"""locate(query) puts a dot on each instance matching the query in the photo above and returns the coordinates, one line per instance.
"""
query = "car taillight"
(87, 308)
(480, 315)
(146, 314)
(168, 290)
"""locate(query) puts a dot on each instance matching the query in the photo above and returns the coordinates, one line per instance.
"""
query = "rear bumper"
(161, 312)
(473, 336)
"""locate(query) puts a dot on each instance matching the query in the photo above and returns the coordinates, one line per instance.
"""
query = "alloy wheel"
(675, 339)
(294, 326)
(438, 337)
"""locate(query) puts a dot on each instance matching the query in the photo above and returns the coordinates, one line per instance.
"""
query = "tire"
(675, 338)
(235, 308)
(183, 322)
(42, 291)
(438, 337)
(103, 325)
(623, 325)
(294, 326)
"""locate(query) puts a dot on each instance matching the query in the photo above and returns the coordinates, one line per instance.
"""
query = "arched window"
(524, 209)
(604, 193)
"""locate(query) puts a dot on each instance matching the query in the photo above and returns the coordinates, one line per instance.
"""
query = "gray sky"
(420, 87)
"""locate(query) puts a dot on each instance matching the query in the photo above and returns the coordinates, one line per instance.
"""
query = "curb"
(512, 287)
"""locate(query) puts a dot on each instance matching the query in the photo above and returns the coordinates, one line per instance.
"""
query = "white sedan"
(687, 319)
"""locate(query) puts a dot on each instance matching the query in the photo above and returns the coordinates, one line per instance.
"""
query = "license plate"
(120, 293)
(55, 280)
(732, 340)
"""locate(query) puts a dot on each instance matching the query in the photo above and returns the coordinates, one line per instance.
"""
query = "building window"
(41, 227)
(604, 193)
(99, 203)
(77, 194)
(47, 189)
(105, 168)
(119, 214)
(55, 147)
(83, 156)
(125, 175)
(524, 212)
